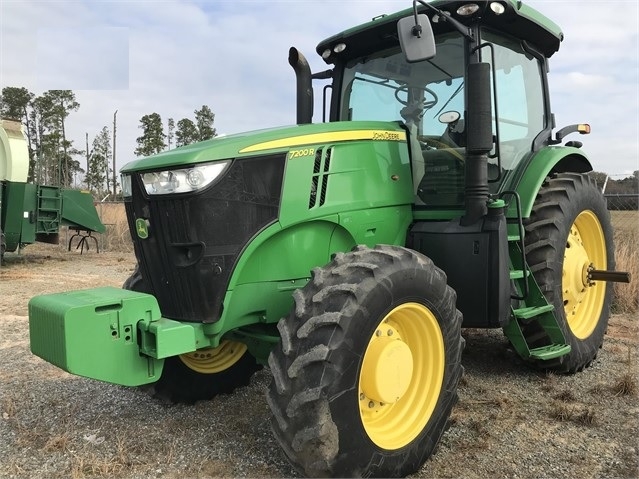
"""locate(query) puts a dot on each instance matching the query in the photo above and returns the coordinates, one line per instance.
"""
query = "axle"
(602, 275)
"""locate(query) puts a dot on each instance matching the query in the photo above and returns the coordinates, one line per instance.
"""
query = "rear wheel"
(568, 232)
(204, 373)
(366, 373)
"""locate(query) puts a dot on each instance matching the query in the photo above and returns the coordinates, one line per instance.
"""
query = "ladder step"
(551, 351)
(513, 238)
(532, 311)
(518, 274)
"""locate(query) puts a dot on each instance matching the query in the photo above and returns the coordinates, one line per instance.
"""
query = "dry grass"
(626, 295)
(626, 385)
(117, 236)
(566, 396)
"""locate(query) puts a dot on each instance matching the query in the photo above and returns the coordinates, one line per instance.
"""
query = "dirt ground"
(510, 422)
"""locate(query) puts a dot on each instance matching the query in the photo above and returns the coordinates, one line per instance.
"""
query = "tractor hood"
(269, 141)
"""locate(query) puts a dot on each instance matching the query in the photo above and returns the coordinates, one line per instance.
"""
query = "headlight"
(183, 180)
(125, 181)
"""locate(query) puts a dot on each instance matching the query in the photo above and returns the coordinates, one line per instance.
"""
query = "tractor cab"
(373, 80)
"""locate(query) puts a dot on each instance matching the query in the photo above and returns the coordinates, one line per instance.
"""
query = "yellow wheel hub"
(214, 360)
(401, 376)
(389, 367)
(583, 299)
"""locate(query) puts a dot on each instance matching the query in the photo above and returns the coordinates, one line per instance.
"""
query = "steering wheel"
(426, 103)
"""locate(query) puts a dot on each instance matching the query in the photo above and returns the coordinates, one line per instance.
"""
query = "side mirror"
(416, 38)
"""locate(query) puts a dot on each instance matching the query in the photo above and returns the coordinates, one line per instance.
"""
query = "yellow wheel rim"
(214, 360)
(583, 299)
(401, 376)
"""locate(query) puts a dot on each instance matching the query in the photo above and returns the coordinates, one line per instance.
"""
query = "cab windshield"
(385, 87)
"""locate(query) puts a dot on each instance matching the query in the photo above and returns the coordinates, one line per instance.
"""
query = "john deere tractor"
(347, 255)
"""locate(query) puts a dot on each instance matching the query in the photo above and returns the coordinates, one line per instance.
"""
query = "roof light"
(468, 9)
(326, 53)
(340, 47)
(497, 8)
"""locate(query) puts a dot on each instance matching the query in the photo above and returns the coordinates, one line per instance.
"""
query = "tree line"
(153, 139)
(51, 153)
(54, 159)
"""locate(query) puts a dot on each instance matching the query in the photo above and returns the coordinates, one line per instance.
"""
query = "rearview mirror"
(416, 38)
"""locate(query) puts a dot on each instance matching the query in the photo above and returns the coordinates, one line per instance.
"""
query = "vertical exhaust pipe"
(304, 86)
(479, 142)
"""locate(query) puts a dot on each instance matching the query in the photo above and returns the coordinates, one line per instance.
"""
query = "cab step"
(518, 274)
(551, 351)
(532, 311)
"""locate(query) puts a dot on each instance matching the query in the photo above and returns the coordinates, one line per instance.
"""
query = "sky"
(172, 57)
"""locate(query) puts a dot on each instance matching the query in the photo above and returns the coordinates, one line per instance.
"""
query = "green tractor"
(347, 255)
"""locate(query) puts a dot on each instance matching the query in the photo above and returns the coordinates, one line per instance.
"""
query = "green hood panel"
(269, 141)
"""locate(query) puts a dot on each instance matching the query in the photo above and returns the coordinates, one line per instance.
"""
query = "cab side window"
(520, 111)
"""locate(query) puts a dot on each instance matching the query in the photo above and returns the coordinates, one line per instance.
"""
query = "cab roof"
(518, 20)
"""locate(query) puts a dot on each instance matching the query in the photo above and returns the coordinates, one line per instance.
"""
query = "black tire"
(136, 282)
(568, 228)
(201, 375)
(320, 390)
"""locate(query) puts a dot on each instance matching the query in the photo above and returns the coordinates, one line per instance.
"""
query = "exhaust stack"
(479, 142)
(304, 86)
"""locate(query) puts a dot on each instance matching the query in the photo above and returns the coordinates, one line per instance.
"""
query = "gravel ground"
(511, 422)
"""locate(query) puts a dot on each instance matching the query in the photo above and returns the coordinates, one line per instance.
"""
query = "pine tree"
(152, 139)
(204, 119)
(170, 131)
(99, 160)
(186, 133)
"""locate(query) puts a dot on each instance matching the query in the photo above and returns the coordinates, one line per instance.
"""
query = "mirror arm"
(460, 27)
(325, 75)
(417, 29)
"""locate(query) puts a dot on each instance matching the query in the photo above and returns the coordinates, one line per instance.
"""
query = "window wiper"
(455, 93)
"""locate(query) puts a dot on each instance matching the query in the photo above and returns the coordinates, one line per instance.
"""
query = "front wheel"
(366, 373)
(204, 373)
(568, 233)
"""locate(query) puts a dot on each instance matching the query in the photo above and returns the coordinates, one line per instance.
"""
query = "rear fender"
(547, 161)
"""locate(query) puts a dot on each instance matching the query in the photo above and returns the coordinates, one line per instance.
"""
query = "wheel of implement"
(568, 232)
(204, 373)
(366, 372)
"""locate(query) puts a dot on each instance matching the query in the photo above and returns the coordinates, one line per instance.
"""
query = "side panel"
(28, 234)
(351, 176)
(290, 253)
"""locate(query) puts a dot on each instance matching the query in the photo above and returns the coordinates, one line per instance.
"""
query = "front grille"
(195, 239)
